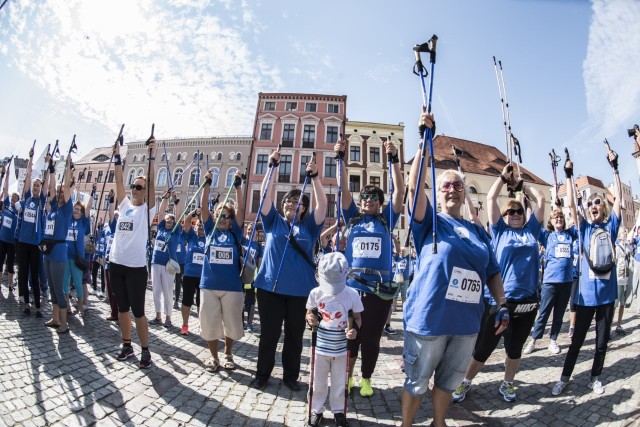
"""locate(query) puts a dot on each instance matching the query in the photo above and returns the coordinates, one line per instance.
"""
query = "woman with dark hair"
(193, 267)
(598, 287)
(514, 239)
(282, 292)
(557, 240)
(8, 229)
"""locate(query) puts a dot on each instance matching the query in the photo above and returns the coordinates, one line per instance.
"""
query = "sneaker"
(340, 419)
(530, 347)
(314, 420)
(155, 321)
(571, 329)
(365, 387)
(248, 328)
(38, 315)
(389, 330)
(558, 388)
(26, 312)
(553, 347)
(167, 323)
(176, 306)
(508, 391)
(126, 351)
(184, 330)
(596, 386)
(145, 359)
(351, 384)
(461, 392)
(620, 331)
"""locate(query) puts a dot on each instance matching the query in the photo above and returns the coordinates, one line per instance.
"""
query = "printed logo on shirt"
(369, 226)
(561, 238)
(296, 230)
(201, 244)
(462, 232)
(128, 212)
(32, 205)
(221, 238)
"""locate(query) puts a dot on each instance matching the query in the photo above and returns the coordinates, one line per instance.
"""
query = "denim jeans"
(554, 296)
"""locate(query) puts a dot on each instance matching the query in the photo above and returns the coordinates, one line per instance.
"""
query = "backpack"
(601, 255)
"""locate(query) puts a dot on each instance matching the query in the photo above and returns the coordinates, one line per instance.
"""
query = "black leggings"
(95, 268)
(374, 317)
(29, 258)
(515, 335)
(178, 284)
(7, 250)
(191, 287)
(130, 286)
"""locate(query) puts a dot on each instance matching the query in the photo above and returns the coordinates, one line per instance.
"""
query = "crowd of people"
(480, 285)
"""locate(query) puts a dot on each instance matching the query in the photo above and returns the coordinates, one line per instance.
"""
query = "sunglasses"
(445, 186)
(136, 187)
(512, 212)
(226, 216)
(596, 202)
(373, 197)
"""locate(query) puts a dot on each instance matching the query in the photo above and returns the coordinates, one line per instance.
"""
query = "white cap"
(333, 269)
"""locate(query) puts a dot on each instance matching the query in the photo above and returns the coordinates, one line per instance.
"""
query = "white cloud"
(185, 66)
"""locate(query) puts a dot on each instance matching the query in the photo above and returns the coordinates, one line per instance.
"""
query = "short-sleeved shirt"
(163, 250)
(195, 253)
(75, 236)
(31, 219)
(297, 277)
(129, 247)
(57, 223)
(9, 222)
(446, 295)
(518, 255)
(181, 251)
(558, 259)
(221, 266)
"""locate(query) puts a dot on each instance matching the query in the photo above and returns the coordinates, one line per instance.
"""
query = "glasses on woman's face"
(596, 202)
(137, 187)
(446, 186)
(373, 197)
(226, 216)
(512, 212)
(291, 202)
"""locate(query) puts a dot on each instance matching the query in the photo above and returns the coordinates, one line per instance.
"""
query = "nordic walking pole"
(505, 113)
(166, 159)
(184, 211)
(346, 383)
(578, 208)
(314, 341)
(215, 227)
(555, 159)
(339, 159)
(119, 140)
(295, 216)
(389, 166)
(272, 167)
(427, 135)
(149, 177)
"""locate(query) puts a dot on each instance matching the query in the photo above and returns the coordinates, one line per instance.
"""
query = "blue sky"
(194, 67)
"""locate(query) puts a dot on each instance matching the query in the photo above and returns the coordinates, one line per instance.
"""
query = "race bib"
(563, 251)
(464, 286)
(125, 228)
(159, 246)
(220, 255)
(49, 227)
(367, 247)
(179, 248)
(100, 247)
(198, 258)
(71, 235)
(30, 215)
(6, 222)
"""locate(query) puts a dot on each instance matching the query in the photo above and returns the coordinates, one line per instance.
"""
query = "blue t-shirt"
(403, 265)
(596, 289)
(297, 277)
(181, 252)
(9, 222)
(369, 245)
(636, 244)
(221, 266)
(445, 297)
(558, 267)
(75, 236)
(161, 254)
(517, 252)
(56, 226)
(195, 253)
(101, 242)
(32, 219)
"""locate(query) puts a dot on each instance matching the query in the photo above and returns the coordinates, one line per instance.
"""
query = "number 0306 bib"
(464, 286)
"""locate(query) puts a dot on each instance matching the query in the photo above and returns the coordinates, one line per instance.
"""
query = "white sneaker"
(553, 347)
(596, 386)
(558, 388)
(530, 347)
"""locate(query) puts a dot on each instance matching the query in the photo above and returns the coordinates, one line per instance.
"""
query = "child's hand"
(351, 333)
(312, 320)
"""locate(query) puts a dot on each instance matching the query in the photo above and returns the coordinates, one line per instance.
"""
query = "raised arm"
(121, 193)
(5, 188)
(493, 210)
(237, 183)
(617, 203)
(320, 210)
(396, 174)
(265, 191)
(87, 209)
(27, 178)
(421, 203)
(204, 198)
(66, 185)
(537, 198)
(340, 149)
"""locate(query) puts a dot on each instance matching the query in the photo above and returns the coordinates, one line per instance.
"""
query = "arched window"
(163, 157)
(219, 156)
(142, 158)
(472, 190)
(178, 157)
(201, 156)
(230, 174)
(135, 158)
(132, 175)
(215, 177)
(195, 156)
(238, 156)
(140, 172)
(193, 177)
(161, 180)
(177, 176)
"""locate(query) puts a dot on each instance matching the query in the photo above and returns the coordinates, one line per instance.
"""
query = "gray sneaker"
(596, 386)
(167, 323)
(558, 388)
(553, 347)
(155, 321)
(461, 392)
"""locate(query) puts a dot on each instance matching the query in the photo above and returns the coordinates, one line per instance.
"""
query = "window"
(231, 173)
(135, 158)
(354, 183)
(261, 164)
(332, 134)
(89, 175)
(161, 180)
(198, 155)
(265, 131)
(331, 205)
(284, 171)
(238, 156)
(194, 178)
(303, 167)
(330, 167)
(472, 190)
(219, 157)
(269, 106)
(374, 180)
(255, 201)
(110, 176)
(140, 172)
(374, 154)
(163, 157)
(288, 134)
(131, 177)
(310, 107)
(143, 158)
(177, 177)
(215, 177)
(354, 153)
(291, 106)
(333, 108)
(100, 174)
(179, 157)
(309, 136)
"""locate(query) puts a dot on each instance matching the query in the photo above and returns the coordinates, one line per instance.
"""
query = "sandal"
(211, 365)
(52, 324)
(61, 332)
(228, 363)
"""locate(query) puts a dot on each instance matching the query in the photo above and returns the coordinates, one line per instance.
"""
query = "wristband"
(504, 180)
(117, 160)
(52, 169)
(93, 193)
(340, 155)
(111, 199)
(394, 158)
(207, 181)
(312, 175)
(152, 158)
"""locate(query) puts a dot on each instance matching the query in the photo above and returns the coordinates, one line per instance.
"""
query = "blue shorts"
(446, 355)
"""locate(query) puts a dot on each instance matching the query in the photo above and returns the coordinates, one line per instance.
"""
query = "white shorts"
(221, 314)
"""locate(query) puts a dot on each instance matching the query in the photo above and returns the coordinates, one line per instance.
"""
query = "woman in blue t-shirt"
(557, 240)
(514, 239)
(597, 291)
(195, 241)
(8, 229)
(285, 301)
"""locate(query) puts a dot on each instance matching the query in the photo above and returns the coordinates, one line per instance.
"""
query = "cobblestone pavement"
(74, 379)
